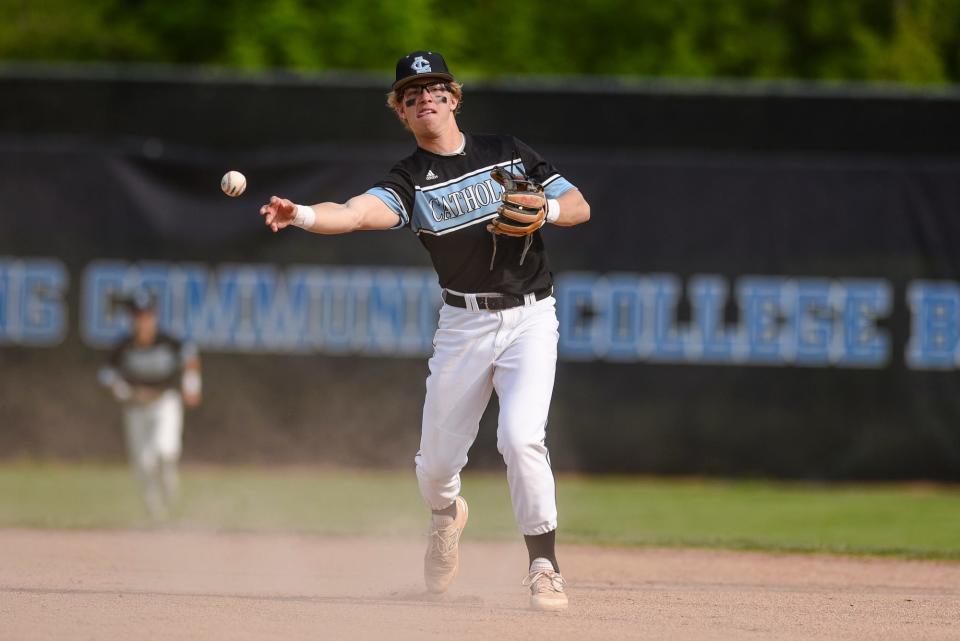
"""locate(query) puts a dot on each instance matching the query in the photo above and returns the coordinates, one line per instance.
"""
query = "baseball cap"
(140, 300)
(421, 64)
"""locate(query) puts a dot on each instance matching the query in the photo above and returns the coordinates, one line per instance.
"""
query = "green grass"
(902, 520)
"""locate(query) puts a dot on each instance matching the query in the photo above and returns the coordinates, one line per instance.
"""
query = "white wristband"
(191, 382)
(121, 390)
(553, 210)
(305, 217)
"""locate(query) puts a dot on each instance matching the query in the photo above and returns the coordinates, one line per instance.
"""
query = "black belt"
(494, 302)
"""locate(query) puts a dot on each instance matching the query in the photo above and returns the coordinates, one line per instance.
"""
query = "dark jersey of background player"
(156, 367)
(448, 199)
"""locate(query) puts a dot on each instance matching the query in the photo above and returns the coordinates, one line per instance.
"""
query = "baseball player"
(476, 203)
(153, 375)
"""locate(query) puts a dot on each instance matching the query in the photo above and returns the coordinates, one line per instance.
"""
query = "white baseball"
(233, 183)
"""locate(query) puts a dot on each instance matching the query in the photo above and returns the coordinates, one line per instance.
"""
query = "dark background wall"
(728, 180)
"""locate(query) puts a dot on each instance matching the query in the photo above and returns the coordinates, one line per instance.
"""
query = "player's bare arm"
(574, 209)
(190, 382)
(363, 212)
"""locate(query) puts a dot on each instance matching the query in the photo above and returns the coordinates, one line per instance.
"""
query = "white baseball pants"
(475, 352)
(154, 432)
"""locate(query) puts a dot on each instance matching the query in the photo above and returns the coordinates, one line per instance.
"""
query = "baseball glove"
(523, 208)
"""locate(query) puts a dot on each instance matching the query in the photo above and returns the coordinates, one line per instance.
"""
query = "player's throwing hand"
(278, 213)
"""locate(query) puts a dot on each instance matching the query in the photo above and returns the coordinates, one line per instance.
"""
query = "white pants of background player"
(514, 352)
(154, 434)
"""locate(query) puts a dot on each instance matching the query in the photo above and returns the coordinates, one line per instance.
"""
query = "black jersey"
(448, 200)
(158, 366)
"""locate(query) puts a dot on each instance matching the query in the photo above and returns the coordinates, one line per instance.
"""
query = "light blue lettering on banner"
(401, 311)
(102, 323)
(43, 310)
(211, 306)
(386, 312)
(103, 320)
(663, 292)
(280, 309)
(9, 300)
(760, 334)
(624, 320)
(314, 280)
(423, 305)
(360, 294)
(811, 309)
(32, 309)
(619, 317)
(260, 308)
(578, 315)
(865, 302)
(248, 279)
(709, 341)
(934, 324)
(339, 319)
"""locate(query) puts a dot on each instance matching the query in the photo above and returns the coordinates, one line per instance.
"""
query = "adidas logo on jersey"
(431, 175)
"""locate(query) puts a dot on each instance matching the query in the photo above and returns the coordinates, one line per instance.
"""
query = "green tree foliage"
(915, 41)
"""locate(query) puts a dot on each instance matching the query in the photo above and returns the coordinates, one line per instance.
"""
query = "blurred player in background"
(498, 325)
(153, 375)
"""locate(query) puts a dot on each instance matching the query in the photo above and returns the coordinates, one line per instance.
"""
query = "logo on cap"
(420, 65)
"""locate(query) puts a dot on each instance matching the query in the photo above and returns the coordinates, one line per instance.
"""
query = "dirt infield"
(113, 586)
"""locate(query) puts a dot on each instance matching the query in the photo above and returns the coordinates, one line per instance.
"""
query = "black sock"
(447, 511)
(543, 546)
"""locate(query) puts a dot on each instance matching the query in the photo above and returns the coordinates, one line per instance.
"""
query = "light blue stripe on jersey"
(556, 185)
(468, 200)
(471, 199)
(391, 200)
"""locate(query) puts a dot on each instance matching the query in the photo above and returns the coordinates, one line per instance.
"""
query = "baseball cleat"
(442, 561)
(546, 588)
